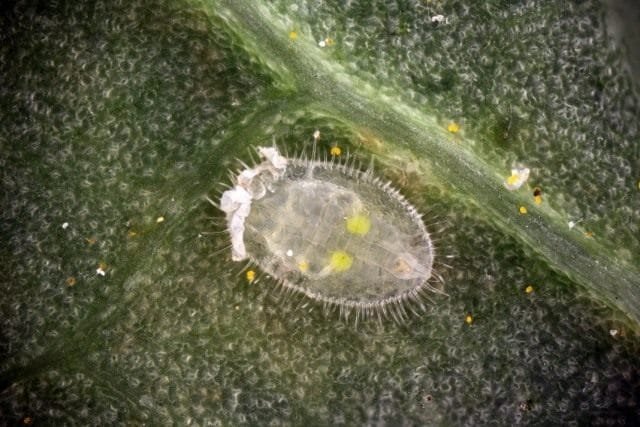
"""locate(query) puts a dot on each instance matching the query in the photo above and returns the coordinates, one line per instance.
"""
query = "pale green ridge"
(332, 91)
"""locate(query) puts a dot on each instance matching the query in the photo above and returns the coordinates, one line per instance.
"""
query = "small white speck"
(436, 19)
(571, 224)
(100, 272)
(65, 225)
(316, 135)
(613, 332)
(322, 43)
(289, 252)
(160, 219)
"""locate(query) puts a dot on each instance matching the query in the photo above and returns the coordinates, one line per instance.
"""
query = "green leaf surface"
(121, 304)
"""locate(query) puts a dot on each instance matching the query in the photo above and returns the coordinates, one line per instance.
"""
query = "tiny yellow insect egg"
(340, 261)
(453, 127)
(528, 289)
(335, 151)
(358, 224)
(468, 319)
(251, 276)
(522, 210)
(537, 195)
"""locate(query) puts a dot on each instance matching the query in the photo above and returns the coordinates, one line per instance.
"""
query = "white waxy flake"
(518, 177)
(236, 203)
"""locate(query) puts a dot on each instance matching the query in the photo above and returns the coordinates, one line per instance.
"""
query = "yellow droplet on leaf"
(293, 35)
(528, 289)
(468, 319)
(522, 210)
(251, 276)
(335, 151)
(453, 127)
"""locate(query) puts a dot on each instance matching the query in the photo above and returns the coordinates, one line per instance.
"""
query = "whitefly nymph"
(337, 234)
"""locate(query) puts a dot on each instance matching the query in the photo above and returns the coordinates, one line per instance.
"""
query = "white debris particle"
(437, 19)
(289, 252)
(65, 225)
(160, 219)
(316, 135)
(518, 177)
(613, 332)
(100, 272)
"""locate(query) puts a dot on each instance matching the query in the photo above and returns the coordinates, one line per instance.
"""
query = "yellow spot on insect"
(468, 319)
(293, 35)
(303, 266)
(358, 224)
(71, 281)
(528, 289)
(453, 127)
(335, 151)
(522, 210)
(160, 219)
(251, 276)
(340, 261)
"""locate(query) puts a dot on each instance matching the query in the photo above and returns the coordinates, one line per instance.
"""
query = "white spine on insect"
(250, 185)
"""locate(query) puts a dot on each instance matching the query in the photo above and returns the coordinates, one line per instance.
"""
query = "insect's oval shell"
(338, 235)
